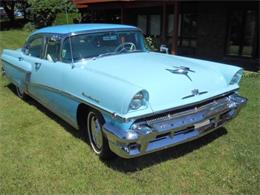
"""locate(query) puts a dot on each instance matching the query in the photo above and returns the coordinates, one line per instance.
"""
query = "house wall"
(212, 19)
(211, 31)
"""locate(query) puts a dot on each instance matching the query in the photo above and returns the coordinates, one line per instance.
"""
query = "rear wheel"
(20, 93)
(97, 140)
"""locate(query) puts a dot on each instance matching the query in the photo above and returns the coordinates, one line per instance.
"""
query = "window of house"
(142, 23)
(155, 25)
(150, 24)
(241, 38)
(170, 24)
(187, 29)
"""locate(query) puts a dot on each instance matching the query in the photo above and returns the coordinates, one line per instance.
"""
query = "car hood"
(155, 73)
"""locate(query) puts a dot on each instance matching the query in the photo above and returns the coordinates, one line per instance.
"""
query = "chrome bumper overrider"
(153, 134)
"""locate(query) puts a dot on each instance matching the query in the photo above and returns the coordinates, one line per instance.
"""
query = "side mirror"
(164, 49)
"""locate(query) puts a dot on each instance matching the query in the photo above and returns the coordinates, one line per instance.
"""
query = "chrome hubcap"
(96, 132)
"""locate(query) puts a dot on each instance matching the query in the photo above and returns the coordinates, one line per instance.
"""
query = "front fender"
(101, 90)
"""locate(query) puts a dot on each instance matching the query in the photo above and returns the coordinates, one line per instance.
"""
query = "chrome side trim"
(111, 113)
(73, 97)
(60, 114)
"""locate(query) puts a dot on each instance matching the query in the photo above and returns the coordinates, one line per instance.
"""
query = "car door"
(47, 77)
(42, 52)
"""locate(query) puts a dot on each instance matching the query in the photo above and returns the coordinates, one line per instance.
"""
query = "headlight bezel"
(139, 101)
(236, 77)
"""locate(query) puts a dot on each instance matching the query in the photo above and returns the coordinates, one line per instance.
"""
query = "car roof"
(74, 28)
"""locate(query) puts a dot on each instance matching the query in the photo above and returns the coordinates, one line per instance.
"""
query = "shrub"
(150, 44)
(44, 12)
(29, 27)
(61, 18)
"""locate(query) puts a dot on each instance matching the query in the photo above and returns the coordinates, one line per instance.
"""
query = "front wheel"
(96, 138)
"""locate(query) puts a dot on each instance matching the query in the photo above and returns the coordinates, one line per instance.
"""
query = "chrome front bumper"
(164, 131)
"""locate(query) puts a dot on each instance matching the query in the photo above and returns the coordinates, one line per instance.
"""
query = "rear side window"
(35, 47)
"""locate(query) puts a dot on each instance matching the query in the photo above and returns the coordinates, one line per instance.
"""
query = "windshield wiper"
(107, 54)
(114, 53)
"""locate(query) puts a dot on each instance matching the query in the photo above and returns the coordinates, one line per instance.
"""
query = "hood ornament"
(181, 70)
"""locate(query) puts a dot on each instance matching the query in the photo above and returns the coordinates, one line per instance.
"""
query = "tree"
(44, 11)
(8, 6)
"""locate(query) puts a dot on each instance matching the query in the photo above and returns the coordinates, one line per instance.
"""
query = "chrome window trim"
(64, 36)
(101, 30)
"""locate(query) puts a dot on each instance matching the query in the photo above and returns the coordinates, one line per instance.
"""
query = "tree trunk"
(9, 9)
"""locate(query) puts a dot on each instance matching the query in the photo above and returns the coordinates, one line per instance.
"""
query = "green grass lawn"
(39, 153)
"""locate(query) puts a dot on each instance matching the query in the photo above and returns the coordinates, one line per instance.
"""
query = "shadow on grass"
(50, 114)
(139, 163)
(16, 24)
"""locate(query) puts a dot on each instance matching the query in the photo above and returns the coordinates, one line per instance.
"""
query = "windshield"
(102, 44)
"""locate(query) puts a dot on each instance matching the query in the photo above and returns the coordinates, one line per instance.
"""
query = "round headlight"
(236, 78)
(137, 101)
(135, 104)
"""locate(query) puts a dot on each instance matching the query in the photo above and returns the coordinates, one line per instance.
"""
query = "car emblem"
(195, 92)
(181, 70)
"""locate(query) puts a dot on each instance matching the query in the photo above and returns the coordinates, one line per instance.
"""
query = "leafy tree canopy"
(44, 12)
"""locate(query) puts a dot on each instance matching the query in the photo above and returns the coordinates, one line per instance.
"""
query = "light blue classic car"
(130, 101)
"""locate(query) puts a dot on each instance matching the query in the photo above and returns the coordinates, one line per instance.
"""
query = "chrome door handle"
(37, 65)
(20, 58)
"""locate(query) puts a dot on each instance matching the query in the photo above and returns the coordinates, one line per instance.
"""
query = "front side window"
(99, 44)
(35, 47)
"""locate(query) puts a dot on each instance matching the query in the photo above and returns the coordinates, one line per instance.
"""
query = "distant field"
(39, 153)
